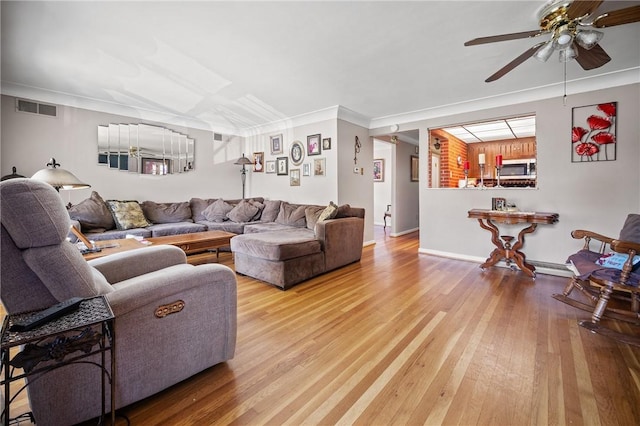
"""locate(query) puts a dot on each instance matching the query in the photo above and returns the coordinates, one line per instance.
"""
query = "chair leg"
(605, 295)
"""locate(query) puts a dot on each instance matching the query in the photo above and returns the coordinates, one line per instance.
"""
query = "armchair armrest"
(588, 235)
(123, 266)
(625, 247)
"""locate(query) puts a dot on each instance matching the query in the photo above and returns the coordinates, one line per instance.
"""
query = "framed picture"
(258, 161)
(498, 203)
(282, 166)
(593, 133)
(319, 167)
(378, 170)
(326, 143)
(313, 145)
(296, 152)
(306, 169)
(270, 166)
(294, 177)
(415, 175)
(276, 144)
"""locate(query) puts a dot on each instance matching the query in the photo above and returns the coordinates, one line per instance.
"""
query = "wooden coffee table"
(200, 247)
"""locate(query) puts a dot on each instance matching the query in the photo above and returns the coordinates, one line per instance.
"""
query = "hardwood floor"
(403, 338)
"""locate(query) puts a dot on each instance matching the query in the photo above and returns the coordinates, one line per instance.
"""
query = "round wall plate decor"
(296, 152)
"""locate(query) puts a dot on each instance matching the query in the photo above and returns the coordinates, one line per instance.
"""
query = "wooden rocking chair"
(608, 278)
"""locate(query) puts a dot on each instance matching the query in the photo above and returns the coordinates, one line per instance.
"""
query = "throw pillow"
(344, 211)
(617, 261)
(244, 211)
(127, 214)
(291, 214)
(92, 213)
(217, 212)
(198, 205)
(166, 212)
(271, 210)
(631, 229)
(329, 212)
(260, 207)
(312, 213)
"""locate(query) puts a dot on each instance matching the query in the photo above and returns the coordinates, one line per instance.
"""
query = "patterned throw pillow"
(329, 212)
(127, 214)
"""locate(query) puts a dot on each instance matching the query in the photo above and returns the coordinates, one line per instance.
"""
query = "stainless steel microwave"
(518, 169)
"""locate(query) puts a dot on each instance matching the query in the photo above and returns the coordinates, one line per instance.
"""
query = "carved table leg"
(497, 254)
(520, 258)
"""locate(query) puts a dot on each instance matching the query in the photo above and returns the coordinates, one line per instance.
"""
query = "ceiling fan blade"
(580, 8)
(618, 17)
(592, 58)
(517, 61)
(504, 37)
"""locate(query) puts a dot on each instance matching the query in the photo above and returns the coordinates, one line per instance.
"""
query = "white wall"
(406, 198)
(595, 196)
(356, 189)
(382, 191)
(313, 189)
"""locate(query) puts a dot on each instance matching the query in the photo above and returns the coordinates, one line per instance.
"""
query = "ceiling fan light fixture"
(544, 53)
(568, 54)
(589, 38)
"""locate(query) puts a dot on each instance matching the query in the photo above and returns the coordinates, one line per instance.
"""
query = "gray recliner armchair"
(39, 268)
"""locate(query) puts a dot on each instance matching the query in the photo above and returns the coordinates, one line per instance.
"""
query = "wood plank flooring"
(403, 338)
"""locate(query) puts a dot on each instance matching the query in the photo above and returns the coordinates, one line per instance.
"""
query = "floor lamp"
(59, 178)
(243, 161)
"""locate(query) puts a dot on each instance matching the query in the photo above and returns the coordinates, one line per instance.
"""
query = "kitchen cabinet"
(511, 149)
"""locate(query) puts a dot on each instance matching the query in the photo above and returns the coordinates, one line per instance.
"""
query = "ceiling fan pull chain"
(564, 98)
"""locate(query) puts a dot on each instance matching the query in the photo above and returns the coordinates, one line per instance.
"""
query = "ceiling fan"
(570, 24)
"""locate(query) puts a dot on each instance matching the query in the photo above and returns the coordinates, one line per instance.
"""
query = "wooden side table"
(66, 340)
(504, 249)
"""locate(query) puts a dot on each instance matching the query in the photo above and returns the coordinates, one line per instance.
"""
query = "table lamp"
(59, 178)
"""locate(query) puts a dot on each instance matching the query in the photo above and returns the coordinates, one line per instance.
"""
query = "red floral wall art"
(593, 133)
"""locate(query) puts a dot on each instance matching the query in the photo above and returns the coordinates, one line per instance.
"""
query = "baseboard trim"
(399, 234)
(541, 267)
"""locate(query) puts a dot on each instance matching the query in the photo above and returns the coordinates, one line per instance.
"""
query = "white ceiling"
(230, 66)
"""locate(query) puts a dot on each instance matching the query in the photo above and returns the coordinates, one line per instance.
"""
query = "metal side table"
(67, 340)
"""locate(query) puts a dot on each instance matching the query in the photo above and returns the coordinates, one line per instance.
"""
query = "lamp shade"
(568, 54)
(588, 38)
(243, 161)
(59, 178)
(545, 52)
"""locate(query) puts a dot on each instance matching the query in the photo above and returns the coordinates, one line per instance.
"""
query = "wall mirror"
(494, 153)
(145, 149)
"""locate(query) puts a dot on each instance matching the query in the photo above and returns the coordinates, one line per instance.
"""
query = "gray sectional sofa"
(278, 242)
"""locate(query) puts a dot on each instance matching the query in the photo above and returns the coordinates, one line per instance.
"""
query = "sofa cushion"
(163, 229)
(631, 229)
(277, 246)
(270, 211)
(198, 205)
(166, 212)
(291, 214)
(257, 227)
(312, 213)
(116, 234)
(92, 213)
(244, 211)
(228, 226)
(217, 211)
(127, 214)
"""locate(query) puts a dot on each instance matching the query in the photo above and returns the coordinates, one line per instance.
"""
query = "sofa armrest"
(341, 240)
(123, 266)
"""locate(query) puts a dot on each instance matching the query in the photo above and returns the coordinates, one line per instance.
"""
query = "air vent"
(217, 137)
(31, 107)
